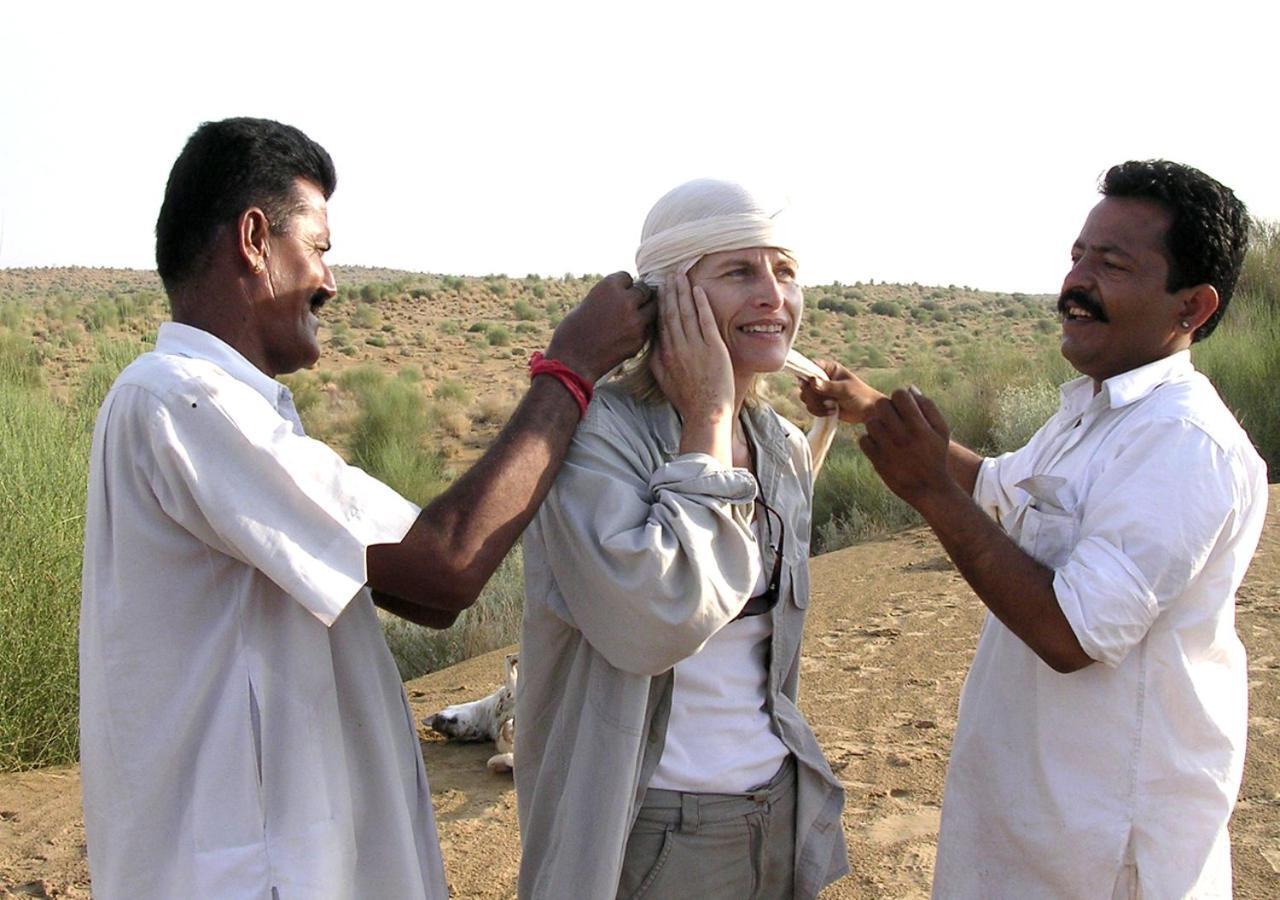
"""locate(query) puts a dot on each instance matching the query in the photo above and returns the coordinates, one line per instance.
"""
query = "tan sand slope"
(891, 630)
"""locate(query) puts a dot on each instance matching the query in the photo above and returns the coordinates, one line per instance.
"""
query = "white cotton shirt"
(243, 727)
(719, 736)
(1147, 500)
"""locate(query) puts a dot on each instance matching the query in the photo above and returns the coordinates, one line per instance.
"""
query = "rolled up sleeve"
(1148, 524)
(648, 566)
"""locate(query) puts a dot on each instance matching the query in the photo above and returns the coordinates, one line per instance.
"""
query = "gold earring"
(1185, 324)
(257, 270)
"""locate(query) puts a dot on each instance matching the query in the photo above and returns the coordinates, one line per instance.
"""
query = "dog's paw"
(501, 763)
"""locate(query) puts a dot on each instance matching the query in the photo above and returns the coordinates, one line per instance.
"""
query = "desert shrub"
(886, 308)
(376, 340)
(1242, 357)
(452, 420)
(524, 311)
(11, 316)
(389, 439)
(43, 449)
(450, 326)
(451, 389)
(498, 336)
(366, 316)
(850, 503)
(493, 622)
(1020, 411)
(19, 361)
(112, 355)
(495, 408)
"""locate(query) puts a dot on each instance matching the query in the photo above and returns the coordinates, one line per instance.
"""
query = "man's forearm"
(1015, 587)
(462, 536)
(963, 465)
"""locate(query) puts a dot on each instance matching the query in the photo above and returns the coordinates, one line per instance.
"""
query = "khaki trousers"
(713, 846)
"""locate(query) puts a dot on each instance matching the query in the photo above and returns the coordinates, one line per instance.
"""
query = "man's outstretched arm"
(855, 401)
(462, 536)
(909, 444)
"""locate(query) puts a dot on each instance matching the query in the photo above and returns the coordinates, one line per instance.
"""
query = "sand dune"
(891, 630)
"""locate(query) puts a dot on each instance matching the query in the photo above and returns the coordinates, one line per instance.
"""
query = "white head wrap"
(700, 217)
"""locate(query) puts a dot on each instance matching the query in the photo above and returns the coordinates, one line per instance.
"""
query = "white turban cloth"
(700, 217)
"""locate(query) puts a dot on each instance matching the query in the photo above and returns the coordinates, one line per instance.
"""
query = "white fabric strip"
(681, 246)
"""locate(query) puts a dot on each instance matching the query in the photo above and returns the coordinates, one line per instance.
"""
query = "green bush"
(850, 503)
(1242, 357)
(366, 316)
(390, 437)
(43, 449)
(451, 390)
(498, 336)
(19, 361)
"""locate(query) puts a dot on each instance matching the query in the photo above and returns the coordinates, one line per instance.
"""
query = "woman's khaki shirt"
(638, 556)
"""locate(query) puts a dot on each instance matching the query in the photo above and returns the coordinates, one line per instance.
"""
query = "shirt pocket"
(1049, 535)
(1049, 527)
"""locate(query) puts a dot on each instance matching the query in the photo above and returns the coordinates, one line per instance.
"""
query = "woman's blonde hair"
(688, 222)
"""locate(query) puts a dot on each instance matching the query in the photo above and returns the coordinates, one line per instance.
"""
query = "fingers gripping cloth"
(823, 430)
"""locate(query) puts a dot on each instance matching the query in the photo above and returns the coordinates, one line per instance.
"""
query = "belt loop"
(689, 819)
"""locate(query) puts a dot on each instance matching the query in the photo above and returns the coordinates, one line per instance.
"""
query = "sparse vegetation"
(989, 360)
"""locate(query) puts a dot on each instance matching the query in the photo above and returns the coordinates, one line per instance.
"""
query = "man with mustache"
(244, 731)
(1102, 725)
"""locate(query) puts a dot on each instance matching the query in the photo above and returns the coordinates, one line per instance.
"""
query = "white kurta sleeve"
(229, 469)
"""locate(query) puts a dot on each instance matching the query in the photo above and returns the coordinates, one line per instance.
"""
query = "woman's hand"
(691, 364)
(843, 391)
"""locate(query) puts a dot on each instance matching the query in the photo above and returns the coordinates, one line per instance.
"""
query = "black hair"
(1208, 232)
(225, 168)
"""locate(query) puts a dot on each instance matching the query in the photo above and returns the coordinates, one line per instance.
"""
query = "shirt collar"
(1128, 387)
(195, 343)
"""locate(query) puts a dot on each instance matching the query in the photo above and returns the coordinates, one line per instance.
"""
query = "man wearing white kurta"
(1101, 732)
(244, 732)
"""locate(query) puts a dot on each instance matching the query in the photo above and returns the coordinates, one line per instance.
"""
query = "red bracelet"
(574, 383)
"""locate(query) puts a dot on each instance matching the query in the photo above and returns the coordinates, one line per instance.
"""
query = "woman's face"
(757, 303)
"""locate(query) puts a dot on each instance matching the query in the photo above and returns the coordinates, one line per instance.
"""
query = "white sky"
(932, 142)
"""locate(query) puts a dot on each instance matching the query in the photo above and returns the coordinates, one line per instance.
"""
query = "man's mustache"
(1081, 298)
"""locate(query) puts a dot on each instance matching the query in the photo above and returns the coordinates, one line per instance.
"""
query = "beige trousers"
(714, 846)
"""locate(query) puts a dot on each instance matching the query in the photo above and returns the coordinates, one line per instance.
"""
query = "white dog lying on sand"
(490, 718)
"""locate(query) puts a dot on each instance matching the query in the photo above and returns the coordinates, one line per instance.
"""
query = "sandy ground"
(890, 634)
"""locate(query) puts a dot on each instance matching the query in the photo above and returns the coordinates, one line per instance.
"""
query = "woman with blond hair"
(662, 753)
